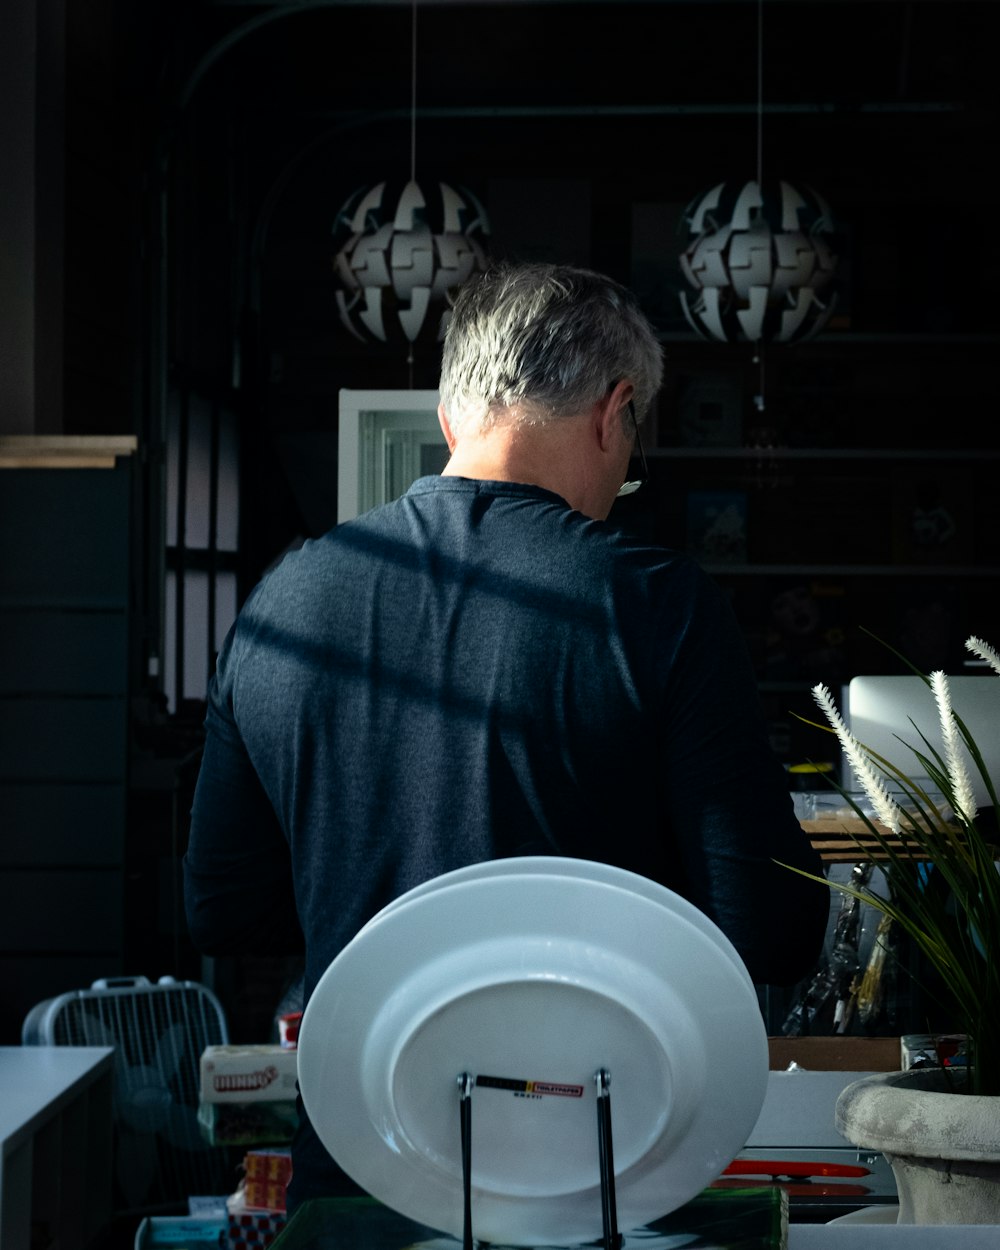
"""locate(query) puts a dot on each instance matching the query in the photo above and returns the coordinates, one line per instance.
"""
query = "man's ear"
(610, 410)
(445, 425)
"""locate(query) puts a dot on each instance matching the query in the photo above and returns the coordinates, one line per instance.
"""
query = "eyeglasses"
(630, 487)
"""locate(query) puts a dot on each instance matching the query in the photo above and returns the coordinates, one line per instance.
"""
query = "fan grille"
(158, 1033)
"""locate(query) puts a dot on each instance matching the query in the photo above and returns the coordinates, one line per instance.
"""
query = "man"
(486, 668)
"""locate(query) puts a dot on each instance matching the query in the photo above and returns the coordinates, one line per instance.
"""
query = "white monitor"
(386, 440)
(879, 711)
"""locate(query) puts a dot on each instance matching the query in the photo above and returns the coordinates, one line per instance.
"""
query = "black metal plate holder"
(609, 1212)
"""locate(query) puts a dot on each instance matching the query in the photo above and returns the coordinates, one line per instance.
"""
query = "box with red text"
(242, 1074)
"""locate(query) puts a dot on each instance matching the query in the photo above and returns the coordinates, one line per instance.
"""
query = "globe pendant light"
(399, 252)
(759, 255)
(761, 262)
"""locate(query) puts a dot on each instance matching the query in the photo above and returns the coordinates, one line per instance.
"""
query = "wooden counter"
(846, 839)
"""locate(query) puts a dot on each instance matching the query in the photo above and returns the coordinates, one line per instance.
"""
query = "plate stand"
(605, 1156)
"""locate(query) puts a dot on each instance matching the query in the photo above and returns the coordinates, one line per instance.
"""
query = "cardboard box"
(264, 1195)
(266, 1177)
(249, 1229)
(268, 1165)
(248, 1123)
(180, 1232)
(244, 1074)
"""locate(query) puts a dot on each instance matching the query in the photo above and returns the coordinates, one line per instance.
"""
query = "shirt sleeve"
(238, 886)
(736, 835)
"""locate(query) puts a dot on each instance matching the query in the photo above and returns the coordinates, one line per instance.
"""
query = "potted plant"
(939, 1128)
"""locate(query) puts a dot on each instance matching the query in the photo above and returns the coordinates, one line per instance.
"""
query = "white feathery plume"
(886, 809)
(985, 652)
(958, 774)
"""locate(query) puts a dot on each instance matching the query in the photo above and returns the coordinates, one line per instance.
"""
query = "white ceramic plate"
(538, 980)
(592, 870)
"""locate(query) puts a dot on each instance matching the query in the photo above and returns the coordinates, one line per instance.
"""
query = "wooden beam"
(64, 451)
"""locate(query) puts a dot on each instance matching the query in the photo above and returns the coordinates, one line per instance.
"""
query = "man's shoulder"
(648, 560)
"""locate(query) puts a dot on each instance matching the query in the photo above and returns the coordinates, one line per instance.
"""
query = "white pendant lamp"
(400, 250)
(760, 255)
(760, 260)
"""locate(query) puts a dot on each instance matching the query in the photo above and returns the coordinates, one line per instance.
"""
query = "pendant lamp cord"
(413, 133)
(758, 355)
(413, 93)
(760, 92)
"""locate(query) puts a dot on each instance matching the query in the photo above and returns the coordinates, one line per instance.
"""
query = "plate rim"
(582, 869)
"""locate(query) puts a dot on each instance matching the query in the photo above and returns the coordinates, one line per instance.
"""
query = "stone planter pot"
(943, 1147)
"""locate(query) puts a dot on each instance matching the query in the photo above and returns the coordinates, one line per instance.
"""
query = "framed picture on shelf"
(716, 527)
(933, 515)
(709, 407)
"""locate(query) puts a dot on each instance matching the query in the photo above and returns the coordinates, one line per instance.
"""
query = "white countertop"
(858, 1236)
(35, 1081)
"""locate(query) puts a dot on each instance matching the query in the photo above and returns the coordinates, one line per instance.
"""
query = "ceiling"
(572, 121)
(325, 58)
(273, 114)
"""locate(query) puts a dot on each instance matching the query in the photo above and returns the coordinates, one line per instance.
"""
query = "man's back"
(478, 671)
(485, 668)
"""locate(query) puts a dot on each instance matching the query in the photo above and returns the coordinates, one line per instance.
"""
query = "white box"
(241, 1074)
(799, 1109)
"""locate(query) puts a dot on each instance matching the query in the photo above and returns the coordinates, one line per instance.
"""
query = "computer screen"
(881, 710)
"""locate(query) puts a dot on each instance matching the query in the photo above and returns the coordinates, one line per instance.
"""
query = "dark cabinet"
(65, 518)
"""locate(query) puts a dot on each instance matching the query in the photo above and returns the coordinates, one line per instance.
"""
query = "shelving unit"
(65, 626)
(861, 497)
(946, 532)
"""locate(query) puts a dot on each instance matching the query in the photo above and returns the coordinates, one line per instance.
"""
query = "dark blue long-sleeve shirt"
(473, 671)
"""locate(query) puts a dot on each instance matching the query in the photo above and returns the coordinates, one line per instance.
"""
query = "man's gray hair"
(546, 340)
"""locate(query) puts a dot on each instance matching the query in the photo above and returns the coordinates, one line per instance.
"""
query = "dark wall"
(208, 149)
(577, 125)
